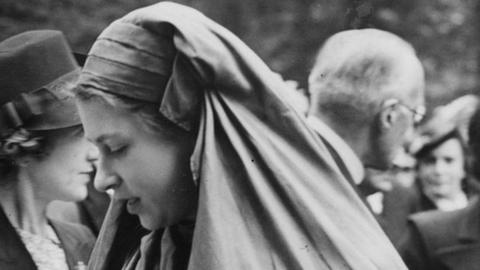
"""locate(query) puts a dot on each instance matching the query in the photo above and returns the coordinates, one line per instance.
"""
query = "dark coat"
(398, 204)
(77, 242)
(440, 240)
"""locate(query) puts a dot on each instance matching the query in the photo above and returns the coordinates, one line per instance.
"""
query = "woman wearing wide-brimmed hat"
(444, 181)
(450, 240)
(43, 156)
(198, 143)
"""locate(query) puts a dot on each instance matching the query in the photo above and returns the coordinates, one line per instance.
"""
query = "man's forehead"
(411, 92)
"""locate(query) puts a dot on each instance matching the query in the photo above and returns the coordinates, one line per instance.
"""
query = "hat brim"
(62, 112)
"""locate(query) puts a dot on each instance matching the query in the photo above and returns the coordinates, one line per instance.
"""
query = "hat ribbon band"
(14, 113)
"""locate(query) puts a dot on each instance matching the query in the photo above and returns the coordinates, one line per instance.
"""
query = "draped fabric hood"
(270, 194)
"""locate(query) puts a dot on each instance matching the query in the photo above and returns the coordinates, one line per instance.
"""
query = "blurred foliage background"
(288, 33)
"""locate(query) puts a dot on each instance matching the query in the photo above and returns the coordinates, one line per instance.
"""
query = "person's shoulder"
(438, 217)
(431, 216)
(439, 228)
(443, 238)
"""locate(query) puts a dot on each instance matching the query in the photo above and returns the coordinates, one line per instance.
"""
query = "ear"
(388, 116)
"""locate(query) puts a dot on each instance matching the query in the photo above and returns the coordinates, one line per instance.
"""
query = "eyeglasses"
(418, 112)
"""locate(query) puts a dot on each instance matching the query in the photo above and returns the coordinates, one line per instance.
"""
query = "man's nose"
(409, 136)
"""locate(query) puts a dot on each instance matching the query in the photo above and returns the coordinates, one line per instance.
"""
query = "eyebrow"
(102, 138)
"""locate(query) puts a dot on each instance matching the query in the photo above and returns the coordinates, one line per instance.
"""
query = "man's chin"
(385, 186)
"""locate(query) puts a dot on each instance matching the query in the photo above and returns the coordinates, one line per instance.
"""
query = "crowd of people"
(204, 158)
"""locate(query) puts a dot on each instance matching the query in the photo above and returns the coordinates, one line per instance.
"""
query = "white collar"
(448, 204)
(375, 201)
(344, 151)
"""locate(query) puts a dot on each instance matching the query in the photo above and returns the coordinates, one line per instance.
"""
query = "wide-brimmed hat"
(36, 70)
(447, 121)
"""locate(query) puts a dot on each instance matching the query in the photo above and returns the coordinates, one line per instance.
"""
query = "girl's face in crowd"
(65, 170)
(442, 170)
(149, 170)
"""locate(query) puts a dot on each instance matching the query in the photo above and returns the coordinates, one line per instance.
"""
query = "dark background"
(288, 33)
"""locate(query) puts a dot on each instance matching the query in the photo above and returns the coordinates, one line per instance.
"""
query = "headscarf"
(270, 194)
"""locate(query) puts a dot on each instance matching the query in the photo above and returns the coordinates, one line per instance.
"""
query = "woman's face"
(64, 171)
(149, 170)
(441, 171)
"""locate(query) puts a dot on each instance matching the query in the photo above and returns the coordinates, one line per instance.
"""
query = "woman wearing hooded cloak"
(197, 142)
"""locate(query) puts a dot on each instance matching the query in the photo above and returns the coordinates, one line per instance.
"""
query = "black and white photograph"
(240, 135)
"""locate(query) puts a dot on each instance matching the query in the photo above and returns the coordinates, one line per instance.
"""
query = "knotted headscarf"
(270, 194)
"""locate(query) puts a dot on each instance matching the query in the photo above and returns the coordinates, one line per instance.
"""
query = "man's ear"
(388, 116)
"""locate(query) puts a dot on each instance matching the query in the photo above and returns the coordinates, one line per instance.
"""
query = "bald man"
(367, 92)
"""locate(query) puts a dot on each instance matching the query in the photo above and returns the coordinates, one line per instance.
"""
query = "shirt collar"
(346, 153)
(448, 204)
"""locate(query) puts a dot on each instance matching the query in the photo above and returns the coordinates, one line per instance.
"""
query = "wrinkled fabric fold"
(270, 194)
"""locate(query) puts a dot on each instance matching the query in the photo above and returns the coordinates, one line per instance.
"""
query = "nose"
(92, 153)
(404, 159)
(409, 136)
(105, 178)
(439, 166)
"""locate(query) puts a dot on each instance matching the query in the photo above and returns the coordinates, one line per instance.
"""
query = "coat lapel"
(76, 245)
(466, 253)
(461, 257)
(13, 253)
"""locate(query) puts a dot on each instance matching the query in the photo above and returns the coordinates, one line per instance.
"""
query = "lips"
(84, 177)
(89, 171)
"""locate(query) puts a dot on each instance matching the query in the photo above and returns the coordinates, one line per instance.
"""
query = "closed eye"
(114, 151)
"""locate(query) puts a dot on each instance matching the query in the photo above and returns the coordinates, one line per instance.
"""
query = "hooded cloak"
(270, 194)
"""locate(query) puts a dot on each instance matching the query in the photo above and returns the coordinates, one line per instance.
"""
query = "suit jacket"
(398, 204)
(444, 240)
(77, 242)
